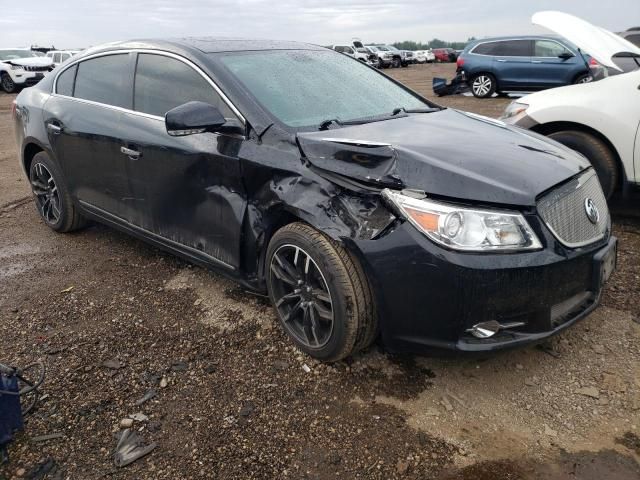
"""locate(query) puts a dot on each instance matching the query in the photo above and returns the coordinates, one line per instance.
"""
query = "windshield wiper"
(398, 110)
(325, 124)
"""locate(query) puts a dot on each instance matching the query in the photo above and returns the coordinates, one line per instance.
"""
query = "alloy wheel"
(586, 79)
(302, 296)
(46, 191)
(482, 85)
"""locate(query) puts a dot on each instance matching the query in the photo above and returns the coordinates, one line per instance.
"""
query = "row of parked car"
(385, 56)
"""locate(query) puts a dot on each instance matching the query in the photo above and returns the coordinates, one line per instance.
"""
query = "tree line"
(435, 43)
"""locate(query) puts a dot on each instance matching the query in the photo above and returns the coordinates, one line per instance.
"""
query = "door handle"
(501, 60)
(536, 61)
(133, 154)
(53, 128)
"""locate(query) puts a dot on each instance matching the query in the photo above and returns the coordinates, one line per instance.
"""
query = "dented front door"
(187, 190)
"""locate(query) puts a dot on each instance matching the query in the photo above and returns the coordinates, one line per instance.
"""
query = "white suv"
(22, 67)
(60, 56)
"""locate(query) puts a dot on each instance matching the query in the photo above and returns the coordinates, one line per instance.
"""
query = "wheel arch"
(579, 74)
(30, 150)
(554, 127)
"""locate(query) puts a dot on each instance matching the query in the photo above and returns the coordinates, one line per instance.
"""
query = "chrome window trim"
(184, 60)
(471, 52)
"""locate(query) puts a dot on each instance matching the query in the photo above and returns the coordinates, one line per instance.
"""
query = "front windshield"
(14, 54)
(391, 47)
(304, 88)
(384, 49)
(373, 49)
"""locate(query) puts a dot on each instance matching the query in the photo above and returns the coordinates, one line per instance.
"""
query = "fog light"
(490, 328)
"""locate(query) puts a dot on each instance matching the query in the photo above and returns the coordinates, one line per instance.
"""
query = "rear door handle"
(501, 60)
(53, 128)
(536, 61)
(133, 154)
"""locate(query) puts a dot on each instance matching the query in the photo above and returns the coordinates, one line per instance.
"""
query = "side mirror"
(566, 55)
(193, 117)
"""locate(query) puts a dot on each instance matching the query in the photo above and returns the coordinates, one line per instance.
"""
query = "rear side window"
(549, 48)
(105, 80)
(65, 81)
(163, 83)
(485, 48)
(513, 48)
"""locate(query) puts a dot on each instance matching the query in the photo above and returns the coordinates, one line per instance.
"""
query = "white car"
(424, 56)
(601, 120)
(22, 67)
(361, 54)
(60, 56)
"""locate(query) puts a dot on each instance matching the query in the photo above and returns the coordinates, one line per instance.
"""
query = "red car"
(445, 54)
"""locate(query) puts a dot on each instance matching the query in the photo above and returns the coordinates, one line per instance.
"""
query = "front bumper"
(26, 79)
(429, 297)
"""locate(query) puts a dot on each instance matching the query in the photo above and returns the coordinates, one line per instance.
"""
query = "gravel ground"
(115, 319)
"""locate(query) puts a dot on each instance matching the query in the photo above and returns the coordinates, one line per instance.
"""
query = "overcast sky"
(77, 23)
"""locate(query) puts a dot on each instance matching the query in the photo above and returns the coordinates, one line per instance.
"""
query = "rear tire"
(597, 152)
(584, 78)
(347, 294)
(8, 84)
(483, 85)
(53, 201)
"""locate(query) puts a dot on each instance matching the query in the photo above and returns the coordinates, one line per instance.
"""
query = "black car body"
(222, 196)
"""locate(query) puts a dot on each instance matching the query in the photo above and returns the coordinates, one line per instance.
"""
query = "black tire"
(354, 320)
(7, 83)
(597, 152)
(583, 78)
(68, 218)
(396, 63)
(380, 64)
(483, 85)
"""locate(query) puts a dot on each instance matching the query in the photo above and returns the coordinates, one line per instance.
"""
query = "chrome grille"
(29, 68)
(563, 210)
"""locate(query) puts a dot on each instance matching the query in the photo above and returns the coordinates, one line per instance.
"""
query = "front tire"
(320, 293)
(597, 152)
(483, 85)
(52, 198)
(8, 85)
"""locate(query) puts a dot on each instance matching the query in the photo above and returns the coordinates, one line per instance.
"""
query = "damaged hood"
(30, 62)
(447, 153)
(601, 44)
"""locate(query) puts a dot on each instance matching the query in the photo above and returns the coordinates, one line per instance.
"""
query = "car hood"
(446, 153)
(601, 44)
(31, 62)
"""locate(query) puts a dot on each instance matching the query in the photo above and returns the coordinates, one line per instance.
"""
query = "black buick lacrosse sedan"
(362, 208)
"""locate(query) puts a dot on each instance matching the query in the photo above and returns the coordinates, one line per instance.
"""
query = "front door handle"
(536, 61)
(132, 154)
(53, 128)
(501, 60)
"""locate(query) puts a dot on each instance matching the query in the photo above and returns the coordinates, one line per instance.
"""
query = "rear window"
(64, 86)
(105, 80)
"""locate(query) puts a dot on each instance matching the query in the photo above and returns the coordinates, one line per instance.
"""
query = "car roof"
(518, 37)
(208, 44)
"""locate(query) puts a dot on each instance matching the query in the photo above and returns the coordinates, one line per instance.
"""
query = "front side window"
(56, 58)
(304, 88)
(105, 80)
(513, 48)
(64, 84)
(163, 83)
(549, 48)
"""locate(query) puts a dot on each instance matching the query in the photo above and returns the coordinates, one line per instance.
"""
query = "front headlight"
(16, 67)
(464, 228)
(514, 112)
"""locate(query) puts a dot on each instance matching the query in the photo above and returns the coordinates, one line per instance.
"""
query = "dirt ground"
(115, 319)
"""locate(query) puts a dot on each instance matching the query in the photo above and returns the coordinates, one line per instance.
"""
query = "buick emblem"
(591, 210)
